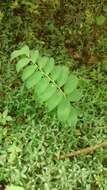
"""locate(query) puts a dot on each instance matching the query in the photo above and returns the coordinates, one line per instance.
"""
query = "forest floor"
(77, 37)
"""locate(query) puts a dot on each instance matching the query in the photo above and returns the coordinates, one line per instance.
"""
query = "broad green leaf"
(28, 71)
(63, 110)
(48, 93)
(34, 79)
(42, 85)
(22, 63)
(49, 66)
(71, 84)
(64, 76)
(56, 72)
(100, 20)
(54, 101)
(43, 61)
(34, 55)
(72, 119)
(23, 51)
(13, 187)
(75, 96)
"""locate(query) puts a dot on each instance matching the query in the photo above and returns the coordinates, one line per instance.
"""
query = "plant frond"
(53, 85)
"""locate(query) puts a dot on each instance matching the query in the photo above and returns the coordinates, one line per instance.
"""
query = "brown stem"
(82, 151)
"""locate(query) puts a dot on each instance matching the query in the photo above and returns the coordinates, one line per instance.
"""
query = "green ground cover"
(77, 37)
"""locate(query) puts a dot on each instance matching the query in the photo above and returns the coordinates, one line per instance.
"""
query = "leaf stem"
(52, 81)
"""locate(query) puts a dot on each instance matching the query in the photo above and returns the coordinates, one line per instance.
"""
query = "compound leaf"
(52, 84)
(22, 63)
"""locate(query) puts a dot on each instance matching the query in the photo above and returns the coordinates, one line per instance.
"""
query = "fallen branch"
(82, 151)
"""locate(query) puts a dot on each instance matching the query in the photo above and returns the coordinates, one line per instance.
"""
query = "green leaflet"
(28, 71)
(63, 110)
(34, 55)
(72, 119)
(34, 79)
(56, 72)
(54, 100)
(41, 86)
(64, 76)
(71, 84)
(23, 51)
(48, 93)
(22, 63)
(75, 96)
(43, 61)
(49, 66)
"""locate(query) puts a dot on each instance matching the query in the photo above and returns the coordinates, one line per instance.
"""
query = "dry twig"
(82, 151)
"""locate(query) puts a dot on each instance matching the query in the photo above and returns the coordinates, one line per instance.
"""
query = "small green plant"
(4, 117)
(53, 85)
(100, 20)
